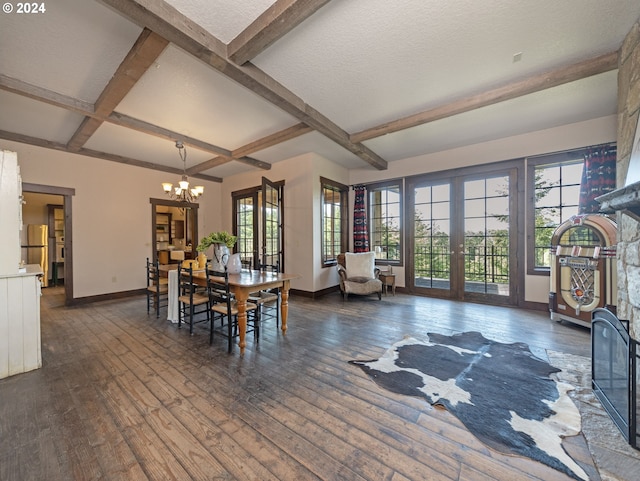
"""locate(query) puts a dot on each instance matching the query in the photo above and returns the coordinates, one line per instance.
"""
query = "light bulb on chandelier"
(182, 192)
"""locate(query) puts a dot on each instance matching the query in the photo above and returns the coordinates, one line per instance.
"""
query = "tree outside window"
(554, 183)
(385, 222)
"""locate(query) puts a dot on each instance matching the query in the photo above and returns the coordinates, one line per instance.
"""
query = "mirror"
(174, 227)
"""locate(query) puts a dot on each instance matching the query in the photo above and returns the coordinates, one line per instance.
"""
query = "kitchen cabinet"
(56, 242)
(163, 231)
(10, 212)
(163, 236)
(20, 342)
(178, 229)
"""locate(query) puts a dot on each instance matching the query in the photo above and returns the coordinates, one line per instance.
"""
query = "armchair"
(359, 274)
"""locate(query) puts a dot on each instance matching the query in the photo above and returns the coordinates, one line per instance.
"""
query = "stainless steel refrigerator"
(37, 248)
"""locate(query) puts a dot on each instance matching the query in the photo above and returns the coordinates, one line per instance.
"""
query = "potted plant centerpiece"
(221, 241)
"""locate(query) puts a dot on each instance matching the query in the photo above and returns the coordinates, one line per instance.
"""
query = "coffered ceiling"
(245, 84)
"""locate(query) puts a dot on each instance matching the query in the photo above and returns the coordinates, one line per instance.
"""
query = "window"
(554, 187)
(245, 227)
(334, 219)
(385, 221)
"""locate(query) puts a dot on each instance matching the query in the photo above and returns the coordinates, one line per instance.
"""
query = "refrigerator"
(38, 249)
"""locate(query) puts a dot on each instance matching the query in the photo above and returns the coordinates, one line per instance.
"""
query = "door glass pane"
(271, 250)
(486, 236)
(245, 212)
(432, 237)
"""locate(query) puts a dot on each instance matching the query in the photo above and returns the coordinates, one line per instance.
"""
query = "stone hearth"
(626, 202)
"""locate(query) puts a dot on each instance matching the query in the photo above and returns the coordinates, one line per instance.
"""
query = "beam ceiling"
(162, 24)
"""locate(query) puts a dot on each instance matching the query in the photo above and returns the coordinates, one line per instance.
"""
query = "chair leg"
(212, 318)
(257, 318)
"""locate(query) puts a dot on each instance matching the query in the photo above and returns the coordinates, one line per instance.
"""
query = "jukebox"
(583, 268)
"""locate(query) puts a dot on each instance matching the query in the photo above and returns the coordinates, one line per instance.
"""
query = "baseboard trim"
(107, 297)
(535, 306)
(316, 294)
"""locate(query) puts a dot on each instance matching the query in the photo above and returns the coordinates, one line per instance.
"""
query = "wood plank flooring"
(125, 396)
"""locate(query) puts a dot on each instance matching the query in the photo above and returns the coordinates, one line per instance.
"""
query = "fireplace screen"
(613, 371)
(583, 268)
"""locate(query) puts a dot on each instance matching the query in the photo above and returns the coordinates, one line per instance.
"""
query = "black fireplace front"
(614, 355)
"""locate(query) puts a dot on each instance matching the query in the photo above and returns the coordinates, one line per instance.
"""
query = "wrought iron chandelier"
(182, 192)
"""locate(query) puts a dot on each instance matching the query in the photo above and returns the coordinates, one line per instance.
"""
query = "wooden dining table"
(245, 283)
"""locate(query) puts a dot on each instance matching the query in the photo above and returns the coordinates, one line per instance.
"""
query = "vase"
(234, 266)
(220, 257)
(202, 260)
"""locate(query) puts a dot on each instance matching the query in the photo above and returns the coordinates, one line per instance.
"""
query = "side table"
(388, 280)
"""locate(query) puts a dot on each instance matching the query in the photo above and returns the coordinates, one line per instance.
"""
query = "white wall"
(111, 214)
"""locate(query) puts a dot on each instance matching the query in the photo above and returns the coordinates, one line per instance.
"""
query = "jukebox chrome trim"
(583, 276)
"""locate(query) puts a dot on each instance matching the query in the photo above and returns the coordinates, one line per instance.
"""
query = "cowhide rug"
(502, 393)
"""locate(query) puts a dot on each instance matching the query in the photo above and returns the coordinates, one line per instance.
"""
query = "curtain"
(360, 225)
(598, 177)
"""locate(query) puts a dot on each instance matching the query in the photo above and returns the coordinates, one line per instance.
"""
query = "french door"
(258, 219)
(272, 251)
(464, 236)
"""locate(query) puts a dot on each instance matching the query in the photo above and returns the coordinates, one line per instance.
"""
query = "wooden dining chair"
(192, 300)
(224, 307)
(157, 287)
(268, 300)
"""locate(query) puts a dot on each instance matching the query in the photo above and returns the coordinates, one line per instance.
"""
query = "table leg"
(241, 304)
(284, 306)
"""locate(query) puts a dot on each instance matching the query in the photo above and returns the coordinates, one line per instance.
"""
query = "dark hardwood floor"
(125, 396)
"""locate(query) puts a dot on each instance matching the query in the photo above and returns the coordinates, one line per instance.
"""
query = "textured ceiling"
(355, 65)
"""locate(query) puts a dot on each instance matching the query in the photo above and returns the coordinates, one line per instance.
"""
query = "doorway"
(174, 230)
(61, 197)
(258, 217)
(464, 236)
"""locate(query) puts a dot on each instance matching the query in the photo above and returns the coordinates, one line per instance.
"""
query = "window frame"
(343, 226)
(383, 186)
(550, 160)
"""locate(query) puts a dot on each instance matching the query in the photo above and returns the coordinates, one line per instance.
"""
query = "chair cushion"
(360, 280)
(368, 287)
(361, 264)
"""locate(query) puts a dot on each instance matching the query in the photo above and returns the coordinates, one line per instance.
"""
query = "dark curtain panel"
(598, 177)
(360, 225)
